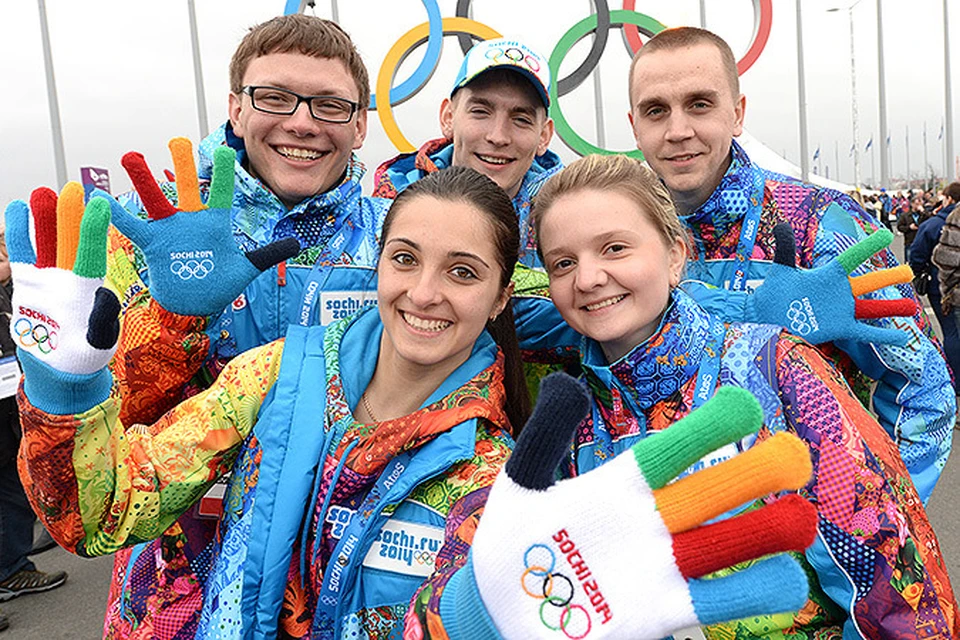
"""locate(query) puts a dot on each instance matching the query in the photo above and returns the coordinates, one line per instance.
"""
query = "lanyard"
(748, 234)
(337, 573)
(345, 240)
(708, 375)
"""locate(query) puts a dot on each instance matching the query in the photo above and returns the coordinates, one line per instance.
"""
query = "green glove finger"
(729, 416)
(861, 252)
(221, 184)
(91, 261)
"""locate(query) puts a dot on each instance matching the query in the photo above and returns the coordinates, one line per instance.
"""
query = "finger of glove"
(861, 252)
(104, 326)
(880, 279)
(17, 220)
(868, 334)
(69, 214)
(902, 307)
(785, 250)
(185, 169)
(730, 415)
(561, 406)
(779, 463)
(156, 204)
(43, 204)
(274, 253)
(131, 226)
(774, 585)
(222, 181)
(91, 260)
(789, 524)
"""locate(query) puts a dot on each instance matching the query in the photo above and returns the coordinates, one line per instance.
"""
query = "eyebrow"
(528, 110)
(706, 94)
(451, 254)
(600, 239)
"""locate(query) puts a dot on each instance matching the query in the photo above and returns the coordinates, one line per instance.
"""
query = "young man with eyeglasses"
(297, 110)
(495, 121)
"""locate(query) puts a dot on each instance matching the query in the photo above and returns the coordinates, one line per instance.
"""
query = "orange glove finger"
(880, 279)
(188, 186)
(69, 214)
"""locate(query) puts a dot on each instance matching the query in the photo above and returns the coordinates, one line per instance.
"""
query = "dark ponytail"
(462, 184)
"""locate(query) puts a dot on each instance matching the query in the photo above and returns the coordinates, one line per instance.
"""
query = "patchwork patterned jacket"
(390, 511)
(163, 357)
(875, 569)
(914, 398)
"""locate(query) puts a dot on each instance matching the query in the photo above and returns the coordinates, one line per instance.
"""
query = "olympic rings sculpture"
(549, 579)
(631, 23)
(187, 269)
(35, 335)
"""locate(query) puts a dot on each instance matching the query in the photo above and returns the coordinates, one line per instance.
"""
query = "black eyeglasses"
(281, 102)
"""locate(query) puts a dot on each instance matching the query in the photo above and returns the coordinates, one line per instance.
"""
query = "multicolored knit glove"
(194, 264)
(820, 304)
(617, 552)
(62, 314)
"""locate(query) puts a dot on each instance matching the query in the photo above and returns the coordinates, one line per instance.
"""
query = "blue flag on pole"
(940, 137)
(816, 154)
(853, 148)
(869, 144)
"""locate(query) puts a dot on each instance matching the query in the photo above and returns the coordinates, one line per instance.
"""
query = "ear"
(546, 134)
(740, 110)
(446, 118)
(233, 113)
(502, 301)
(677, 260)
(361, 133)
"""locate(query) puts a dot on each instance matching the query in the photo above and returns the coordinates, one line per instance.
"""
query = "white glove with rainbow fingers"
(616, 553)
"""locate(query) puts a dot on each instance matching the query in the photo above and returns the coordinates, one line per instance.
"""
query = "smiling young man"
(686, 109)
(496, 122)
(297, 110)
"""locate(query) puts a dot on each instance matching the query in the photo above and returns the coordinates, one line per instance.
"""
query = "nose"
(590, 275)
(301, 122)
(425, 290)
(498, 133)
(679, 126)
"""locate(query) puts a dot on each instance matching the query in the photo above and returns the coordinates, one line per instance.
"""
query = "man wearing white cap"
(495, 121)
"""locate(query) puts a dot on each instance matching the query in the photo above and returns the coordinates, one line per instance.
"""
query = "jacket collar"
(656, 368)
(728, 202)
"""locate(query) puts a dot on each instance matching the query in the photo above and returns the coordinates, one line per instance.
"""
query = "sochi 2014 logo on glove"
(542, 580)
(802, 318)
(36, 329)
(188, 265)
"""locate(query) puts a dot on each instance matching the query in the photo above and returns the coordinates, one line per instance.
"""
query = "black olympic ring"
(581, 73)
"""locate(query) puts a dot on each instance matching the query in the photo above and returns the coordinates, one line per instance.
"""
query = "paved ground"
(76, 609)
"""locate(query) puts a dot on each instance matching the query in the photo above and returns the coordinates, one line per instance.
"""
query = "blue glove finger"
(774, 585)
(103, 326)
(876, 335)
(561, 405)
(17, 219)
(126, 223)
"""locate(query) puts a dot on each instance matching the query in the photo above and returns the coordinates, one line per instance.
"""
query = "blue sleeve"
(914, 398)
(923, 244)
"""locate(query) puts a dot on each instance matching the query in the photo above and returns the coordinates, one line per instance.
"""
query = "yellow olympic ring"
(549, 577)
(413, 38)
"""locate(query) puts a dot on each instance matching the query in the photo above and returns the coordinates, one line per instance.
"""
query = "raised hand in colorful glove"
(820, 304)
(617, 552)
(62, 317)
(194, 264)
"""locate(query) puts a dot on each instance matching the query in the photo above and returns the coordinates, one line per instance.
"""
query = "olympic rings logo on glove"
(187, 269)
(35, 335)
(547, 590)
(802, 318)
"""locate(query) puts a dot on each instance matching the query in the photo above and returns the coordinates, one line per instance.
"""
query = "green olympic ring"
(618, 18)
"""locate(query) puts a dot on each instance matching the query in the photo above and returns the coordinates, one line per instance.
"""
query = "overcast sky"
(125, 80)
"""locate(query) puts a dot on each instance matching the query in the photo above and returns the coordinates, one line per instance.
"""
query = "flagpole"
(59, 157)
(884, 167)
(948, 93)
(836, 158)
(873, 165)
(802, 96)
(926, 161)
(198, 71)
(907, 144)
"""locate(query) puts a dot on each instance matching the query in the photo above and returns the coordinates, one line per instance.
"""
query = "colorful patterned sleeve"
(473, 479)
(158, 352)
(876, 555)
(99, 485)
(914, 399)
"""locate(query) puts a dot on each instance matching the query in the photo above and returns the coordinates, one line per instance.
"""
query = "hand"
(194, 264)
(820, 304)
(62, 314)
(618, 550)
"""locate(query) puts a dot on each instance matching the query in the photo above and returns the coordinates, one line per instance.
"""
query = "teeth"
(683, 158)
(426, 325)
(493, 160)
(605, 303)
(299, 154)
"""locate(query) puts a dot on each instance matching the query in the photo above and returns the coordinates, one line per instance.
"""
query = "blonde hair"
(620, 174)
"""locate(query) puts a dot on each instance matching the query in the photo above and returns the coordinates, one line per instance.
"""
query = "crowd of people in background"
(333, 437)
